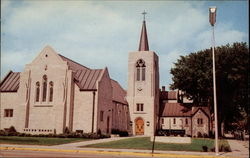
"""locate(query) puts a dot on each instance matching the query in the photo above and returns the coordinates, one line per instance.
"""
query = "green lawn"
(145, 143)
(38, 140)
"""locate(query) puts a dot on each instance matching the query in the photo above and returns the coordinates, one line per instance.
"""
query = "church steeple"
(143, 45)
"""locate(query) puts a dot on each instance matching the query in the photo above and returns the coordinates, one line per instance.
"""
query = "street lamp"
(212, 20)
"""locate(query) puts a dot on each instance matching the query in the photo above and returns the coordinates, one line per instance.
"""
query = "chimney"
(163, 89)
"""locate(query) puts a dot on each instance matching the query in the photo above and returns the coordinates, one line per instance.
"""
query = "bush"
(204, 148)
(199, 135)
(66, 130)
(205, 135)
(12, 129)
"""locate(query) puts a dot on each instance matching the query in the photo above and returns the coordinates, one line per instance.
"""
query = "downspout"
(65, 100)
(28, 102)
(93, 112)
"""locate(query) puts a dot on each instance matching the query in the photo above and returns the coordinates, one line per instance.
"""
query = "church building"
(54, 93)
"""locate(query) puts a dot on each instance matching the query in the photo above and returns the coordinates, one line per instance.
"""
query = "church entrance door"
(139, 126)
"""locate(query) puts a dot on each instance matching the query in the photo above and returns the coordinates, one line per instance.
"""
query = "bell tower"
(143, 86)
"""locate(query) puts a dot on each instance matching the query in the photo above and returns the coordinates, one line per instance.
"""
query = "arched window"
(44, 87)
(140, 70)
(50, 91)
(37, 91)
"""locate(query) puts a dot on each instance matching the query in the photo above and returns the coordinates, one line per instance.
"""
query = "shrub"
(199, 135)
(66, 130)
(204, 148)
(12, 129)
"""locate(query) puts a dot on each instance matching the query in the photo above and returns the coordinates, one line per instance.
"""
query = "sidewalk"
(239, 148)
(84, 143)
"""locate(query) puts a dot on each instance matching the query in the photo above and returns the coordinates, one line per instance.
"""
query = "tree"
(193, 74)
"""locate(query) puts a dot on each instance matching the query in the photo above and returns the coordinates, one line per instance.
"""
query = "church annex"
(54, 93)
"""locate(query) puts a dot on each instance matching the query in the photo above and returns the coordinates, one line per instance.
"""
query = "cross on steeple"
(144, 13)
(143, 45)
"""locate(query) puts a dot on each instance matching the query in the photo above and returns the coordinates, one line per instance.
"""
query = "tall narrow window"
(37, 91)
(50, 91)
(174, 121)
(138, 74)
(44, 87)
(101, 115)
(140, 70)
(143, 74)
(186, 121)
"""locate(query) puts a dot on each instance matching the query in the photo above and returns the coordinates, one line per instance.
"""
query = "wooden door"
(139, 126)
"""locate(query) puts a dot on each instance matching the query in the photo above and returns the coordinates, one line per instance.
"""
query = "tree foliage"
(193, 74)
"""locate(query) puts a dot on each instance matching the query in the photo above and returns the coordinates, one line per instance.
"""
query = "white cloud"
(98, 34)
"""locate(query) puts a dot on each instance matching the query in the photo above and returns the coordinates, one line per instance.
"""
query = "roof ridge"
(73, 61)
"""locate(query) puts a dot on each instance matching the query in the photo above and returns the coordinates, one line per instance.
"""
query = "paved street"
(25, 153)
(240, 149)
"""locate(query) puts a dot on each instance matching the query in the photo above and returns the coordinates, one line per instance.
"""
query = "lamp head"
(212, 15)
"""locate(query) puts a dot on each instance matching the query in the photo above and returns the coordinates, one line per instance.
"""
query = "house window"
(186, 120)
(140, 70)
(139, 107)
(44, 87)
(162, 121)
(174, 121)
(199, 121)
(8, 112)
(51, 91)
(37, 91)
(101, 115)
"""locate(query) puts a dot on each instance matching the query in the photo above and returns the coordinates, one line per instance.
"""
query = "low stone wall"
(166, 139)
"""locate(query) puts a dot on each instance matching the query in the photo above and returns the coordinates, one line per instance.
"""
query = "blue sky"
(98, 34)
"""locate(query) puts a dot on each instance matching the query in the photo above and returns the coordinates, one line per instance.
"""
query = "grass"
(145, 143)
(38, 140)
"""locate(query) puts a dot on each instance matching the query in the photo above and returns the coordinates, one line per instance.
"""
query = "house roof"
(118, 92)
(168, 95)
(175, 109)
(179, 110)
(10, 83)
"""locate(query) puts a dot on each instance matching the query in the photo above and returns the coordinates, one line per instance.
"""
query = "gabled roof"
(10, 83)
(72, 64)
(180, 110)
(205, 110)
(175, 109)
(86, 78)
(118, 92)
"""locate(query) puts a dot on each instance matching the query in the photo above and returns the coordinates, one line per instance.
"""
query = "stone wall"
(202, 128)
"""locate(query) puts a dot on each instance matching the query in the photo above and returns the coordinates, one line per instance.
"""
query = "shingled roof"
(175, 109)
(10, 83)
(179, 110)
(118, 92)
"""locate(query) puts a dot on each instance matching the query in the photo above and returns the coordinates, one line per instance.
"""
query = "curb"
(115, 153)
